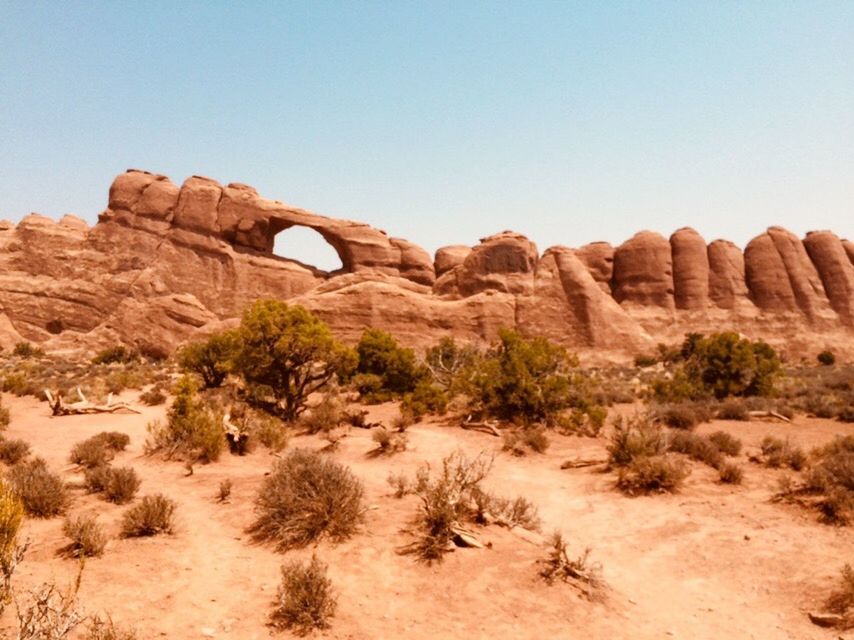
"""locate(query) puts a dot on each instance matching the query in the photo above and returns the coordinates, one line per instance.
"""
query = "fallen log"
(485, 427)
(84, 407)
(579, 463)
(768, 414)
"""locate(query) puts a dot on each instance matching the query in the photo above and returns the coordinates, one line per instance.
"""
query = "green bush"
(426, 398)
(305, 600)
(116, 354)
(397, 367)
(446, 360)
(826, 358)
(153, 515)
(192, 428)
(88, 539)
(308, 496)
(212, 358)
(41, 491)
(13, 451)
(285, 354)
(522, 380)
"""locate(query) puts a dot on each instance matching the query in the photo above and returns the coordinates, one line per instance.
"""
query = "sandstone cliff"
(164, 263)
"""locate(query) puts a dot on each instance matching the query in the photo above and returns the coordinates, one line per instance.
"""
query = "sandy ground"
(713, 561)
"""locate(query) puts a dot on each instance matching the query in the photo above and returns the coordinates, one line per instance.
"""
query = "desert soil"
(713, 561)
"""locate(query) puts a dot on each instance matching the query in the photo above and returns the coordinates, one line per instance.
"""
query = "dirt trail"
(710, 562)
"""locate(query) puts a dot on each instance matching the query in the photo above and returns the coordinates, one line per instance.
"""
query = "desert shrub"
(585, 420)
(285, 354)
(20, 385)
(446, 360)
(425, 398)
(100, 629)
(652, 474)
(50, 613)
(114, 440)
(116, 354)
(733, 410)
(152, 515)
(95, 479)
(270, 432)
(447, 500)
(325, 415)
(27, 350)
(370, 388)
(388, 442)
(681, 416)
(634, 438)
(511, 441)
(211, 359)
(730, 473)
(91, 453)
(727, 444)
(516, 440)
(518, 512)
(396, 367)
(522, 380)
(121, 484)
(41, 491)
(308, 496)
(841, 600)
(4, 416)
(225, 490)
(192, 428)
(399, 482)
(13, 451)
(697, 447)
(305, 600)
(153, 397)
(826, 358)
(782, 453)
(579, 571)
(11, 552)
(87, 536)
(832, 474)
(402, 421)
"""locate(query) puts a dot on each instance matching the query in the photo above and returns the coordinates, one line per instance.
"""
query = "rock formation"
(165, 263)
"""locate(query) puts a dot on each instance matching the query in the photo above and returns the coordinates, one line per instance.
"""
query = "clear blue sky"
(443, 122)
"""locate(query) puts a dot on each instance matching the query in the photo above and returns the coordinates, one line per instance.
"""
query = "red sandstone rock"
(164, 264)
(643, 271)
(835, 269)
(449, 257)
(598, 257)
(727, 286)
(690, 269)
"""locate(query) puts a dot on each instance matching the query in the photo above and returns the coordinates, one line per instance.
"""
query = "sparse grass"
(100, 629)
(652, 474)
(41, 491)
(399, 482)
(305, 600)
(87, 536)
(308, 496)
(730, 473)
(727, 444)
(153, 515)
(13, 451)
(225, 490)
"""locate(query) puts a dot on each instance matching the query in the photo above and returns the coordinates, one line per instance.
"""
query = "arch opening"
(308, 247)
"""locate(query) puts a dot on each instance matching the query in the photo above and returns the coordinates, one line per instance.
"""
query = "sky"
(443, 122)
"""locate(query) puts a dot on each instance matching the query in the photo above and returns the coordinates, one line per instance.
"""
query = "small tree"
(728, 365)
(521, 379)
(210, 358)
(285, 354)
(380, 355)
(446, 360)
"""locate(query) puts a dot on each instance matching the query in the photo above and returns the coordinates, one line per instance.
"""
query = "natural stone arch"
(308, 247)
(276, 227)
